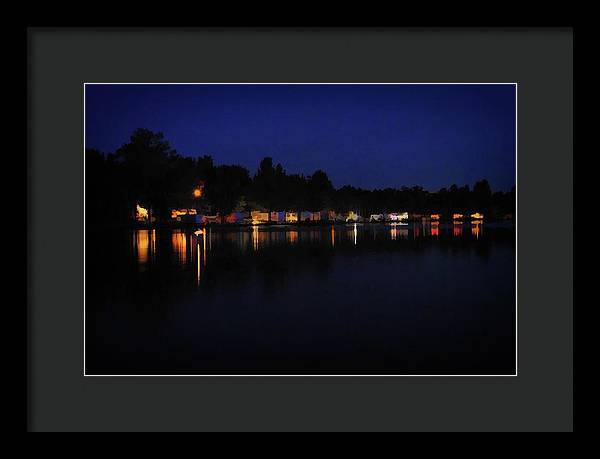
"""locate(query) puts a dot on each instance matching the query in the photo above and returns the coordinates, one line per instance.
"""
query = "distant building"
(141, 214)
(177, 214)
(327, 215)
(212, 219)
(435, 216)
(376, 218)
(353, 217)
(457, 216)
(291, 217)
(278, 216)
(477, 216)
(259, 217)
(398, 216)
(306, 216)
(236, 217)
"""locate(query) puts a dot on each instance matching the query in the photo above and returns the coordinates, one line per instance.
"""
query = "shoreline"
(314, 224)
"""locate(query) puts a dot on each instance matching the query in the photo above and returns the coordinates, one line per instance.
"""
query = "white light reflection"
(198, 262)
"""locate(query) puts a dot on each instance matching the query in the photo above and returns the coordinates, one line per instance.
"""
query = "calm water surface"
(343, 299)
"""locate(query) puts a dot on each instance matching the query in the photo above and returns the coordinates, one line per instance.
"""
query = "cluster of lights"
(179, 212)
(141, 213)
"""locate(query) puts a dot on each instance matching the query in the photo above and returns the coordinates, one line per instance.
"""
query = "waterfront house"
(376, 218)
(259, 217)
(235, 217)
(141, 213)
(278, 216)
(328, 215)
(291, 217)
(184, 215)
(306, 216)
(176, 214)
(398, 216)
(353, 217)
(477, 216)
(457, 216)
(212, 219)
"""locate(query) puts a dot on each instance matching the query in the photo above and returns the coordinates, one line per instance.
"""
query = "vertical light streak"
(476, 230)
(198, 269)
(255, 237)
(153, 244)
(143, 246)
(204, 247)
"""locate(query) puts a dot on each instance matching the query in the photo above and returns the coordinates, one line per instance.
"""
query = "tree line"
(149, 172)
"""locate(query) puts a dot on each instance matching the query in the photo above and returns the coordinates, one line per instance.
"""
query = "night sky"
(369, 136)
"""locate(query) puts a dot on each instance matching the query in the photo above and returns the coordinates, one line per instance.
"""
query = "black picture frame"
(60, 398)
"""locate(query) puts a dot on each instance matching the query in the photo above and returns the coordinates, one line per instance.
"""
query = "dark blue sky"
(372, 136)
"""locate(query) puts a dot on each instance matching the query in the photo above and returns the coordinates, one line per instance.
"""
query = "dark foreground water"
(365, 299)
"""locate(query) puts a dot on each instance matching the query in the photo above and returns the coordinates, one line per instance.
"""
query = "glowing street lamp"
(197, 193)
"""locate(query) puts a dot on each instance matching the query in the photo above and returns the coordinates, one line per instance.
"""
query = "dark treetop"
(369, 136)
(149, 172)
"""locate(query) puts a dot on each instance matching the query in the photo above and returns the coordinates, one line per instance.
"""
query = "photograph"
(300, 229)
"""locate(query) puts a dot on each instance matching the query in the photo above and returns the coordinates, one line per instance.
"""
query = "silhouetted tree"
(482, 196)
(319, 190)
(227, 187)
(146, 170)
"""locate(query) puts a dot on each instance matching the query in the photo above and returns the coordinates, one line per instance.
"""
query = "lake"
(344, 299)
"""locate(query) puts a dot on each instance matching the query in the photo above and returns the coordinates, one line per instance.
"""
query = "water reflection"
(476, 229)
(416, 230)
(179, 243)
(198, 267)
(255, 237)
(253, 298)
(291, 236)
(194, 248)
(144, 245)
